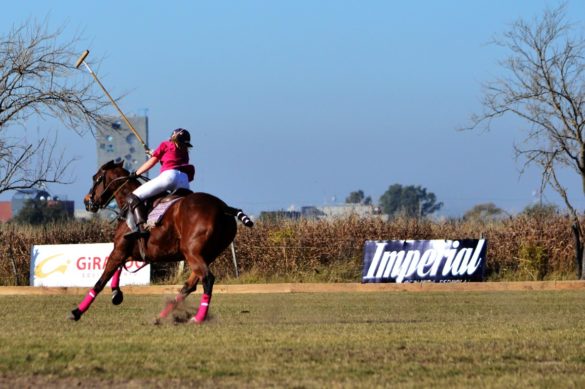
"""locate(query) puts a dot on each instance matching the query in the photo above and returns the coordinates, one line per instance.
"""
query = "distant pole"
(11, 255)
(180, 269)
(234, 259)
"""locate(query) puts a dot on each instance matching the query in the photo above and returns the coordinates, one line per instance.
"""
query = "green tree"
(484, 212)
(37, 212)
(410, 201)
(358, 197)
(355, 197)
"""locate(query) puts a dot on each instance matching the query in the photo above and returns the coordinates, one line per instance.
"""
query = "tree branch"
(37, 78)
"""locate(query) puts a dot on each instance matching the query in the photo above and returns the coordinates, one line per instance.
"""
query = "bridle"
(94, 204)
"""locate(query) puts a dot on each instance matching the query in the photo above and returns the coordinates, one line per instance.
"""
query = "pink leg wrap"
(116, 279)
(89, 297)
(203, 307)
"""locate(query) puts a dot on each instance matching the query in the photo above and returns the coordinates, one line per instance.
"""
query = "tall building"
(115, 141)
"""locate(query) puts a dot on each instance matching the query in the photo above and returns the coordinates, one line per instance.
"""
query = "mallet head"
(81, 59)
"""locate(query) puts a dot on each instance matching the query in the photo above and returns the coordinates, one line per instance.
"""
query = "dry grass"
(519, 248)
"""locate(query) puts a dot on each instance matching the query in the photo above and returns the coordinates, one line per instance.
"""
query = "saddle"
(160, 205)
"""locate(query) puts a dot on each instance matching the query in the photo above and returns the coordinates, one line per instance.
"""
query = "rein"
(104, 204)
(135, 271)
(114, 193)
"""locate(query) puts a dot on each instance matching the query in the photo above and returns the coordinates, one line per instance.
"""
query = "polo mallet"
(80, 61)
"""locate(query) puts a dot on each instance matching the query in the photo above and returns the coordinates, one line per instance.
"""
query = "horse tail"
(245, 219)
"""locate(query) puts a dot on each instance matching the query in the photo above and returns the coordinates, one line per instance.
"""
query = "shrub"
(524, 247)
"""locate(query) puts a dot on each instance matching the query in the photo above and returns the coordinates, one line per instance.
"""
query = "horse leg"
(189, 287)
(117, 295)
(111, 267)
(207, 282)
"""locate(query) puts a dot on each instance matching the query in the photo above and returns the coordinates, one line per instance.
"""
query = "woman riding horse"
(175, 173)
(196, 229)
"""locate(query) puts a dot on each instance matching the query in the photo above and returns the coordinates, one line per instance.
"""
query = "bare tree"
(544, 85)
(25, 166)
(36, 79)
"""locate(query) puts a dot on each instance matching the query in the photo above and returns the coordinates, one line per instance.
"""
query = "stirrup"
(136, 234)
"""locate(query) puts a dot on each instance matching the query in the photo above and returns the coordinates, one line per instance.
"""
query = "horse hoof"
(75, 315)
(117, 297)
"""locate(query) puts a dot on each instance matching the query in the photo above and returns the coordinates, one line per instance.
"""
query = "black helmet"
(182, 136)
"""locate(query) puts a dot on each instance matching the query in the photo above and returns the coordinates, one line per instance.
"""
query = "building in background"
(5, 211)
(345, 210)
(327, 212)
(115, 141)
(21, 196)
(9, 209)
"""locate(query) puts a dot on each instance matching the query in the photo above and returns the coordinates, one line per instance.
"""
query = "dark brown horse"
(196, 229)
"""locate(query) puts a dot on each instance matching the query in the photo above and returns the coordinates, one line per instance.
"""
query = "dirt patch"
(53, 382)
(50, 382)
(319, 288)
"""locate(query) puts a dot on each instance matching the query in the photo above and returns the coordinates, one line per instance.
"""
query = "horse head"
(106, 183)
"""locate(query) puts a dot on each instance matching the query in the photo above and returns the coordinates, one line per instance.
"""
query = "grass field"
(451, 339)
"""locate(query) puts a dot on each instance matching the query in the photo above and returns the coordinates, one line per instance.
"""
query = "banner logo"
(44, 268)
(424, 260)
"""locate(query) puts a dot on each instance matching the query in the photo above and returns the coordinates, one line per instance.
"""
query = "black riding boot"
(135, 218)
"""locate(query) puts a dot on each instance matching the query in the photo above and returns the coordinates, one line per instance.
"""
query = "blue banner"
(424, 260)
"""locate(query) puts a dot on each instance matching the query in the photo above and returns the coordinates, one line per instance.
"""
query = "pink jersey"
(171, 157)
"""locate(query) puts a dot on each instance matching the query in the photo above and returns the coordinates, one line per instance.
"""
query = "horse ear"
(107, 165)
(112, 165)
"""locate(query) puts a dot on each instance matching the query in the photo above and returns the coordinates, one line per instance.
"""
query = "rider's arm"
(147, 166)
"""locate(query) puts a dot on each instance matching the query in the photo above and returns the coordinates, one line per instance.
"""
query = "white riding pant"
(167, 180)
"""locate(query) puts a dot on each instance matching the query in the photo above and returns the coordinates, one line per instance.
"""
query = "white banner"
(79, 265)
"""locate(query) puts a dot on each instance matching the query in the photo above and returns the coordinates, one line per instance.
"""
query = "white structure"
(345, 210)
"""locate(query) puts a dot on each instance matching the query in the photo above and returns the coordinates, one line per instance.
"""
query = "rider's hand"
(132, 174)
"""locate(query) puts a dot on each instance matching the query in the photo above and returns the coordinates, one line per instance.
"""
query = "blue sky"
(294, 103)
